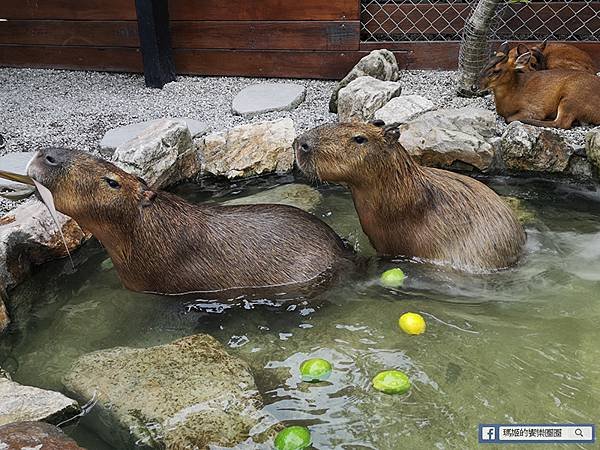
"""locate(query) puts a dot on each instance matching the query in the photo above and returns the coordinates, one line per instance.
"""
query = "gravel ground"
(75, 109)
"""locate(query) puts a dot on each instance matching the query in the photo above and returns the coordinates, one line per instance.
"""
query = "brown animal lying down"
(546, 98)
(555, 56)
(409, 210)
(162, 244)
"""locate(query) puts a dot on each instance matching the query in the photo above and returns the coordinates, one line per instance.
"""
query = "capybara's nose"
(53, 156)
(302, 144)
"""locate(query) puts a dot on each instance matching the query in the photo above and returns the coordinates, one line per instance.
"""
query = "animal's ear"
(378, 123)
(502, 50)
(148, 198)
(391, 132)
(542, 46)
(522, 49)
(522, 62)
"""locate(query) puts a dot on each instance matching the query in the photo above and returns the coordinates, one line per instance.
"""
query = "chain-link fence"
(444, 20)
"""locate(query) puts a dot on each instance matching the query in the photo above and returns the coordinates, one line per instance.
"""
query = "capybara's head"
(346, 152)
(535, 61)
(89, 189)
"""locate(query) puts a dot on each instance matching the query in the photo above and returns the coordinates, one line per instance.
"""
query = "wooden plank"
(264, 9)
(155, 42)
(444, 55)
(68, 32)
(68, 9)
(288, 64)
(272, 35)
(112, 59)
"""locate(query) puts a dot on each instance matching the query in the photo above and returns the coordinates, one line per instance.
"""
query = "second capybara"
(555, 56)
(409, 210)
(161, 243)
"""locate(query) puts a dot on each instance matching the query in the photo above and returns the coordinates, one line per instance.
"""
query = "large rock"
(118, 136)
(533, 149)
(380, 64)
(358, 101)
(449, 137)
(298, 195)
(265, 97)
(187, 394)
(16, 163)
(20, 403)
(35, 436)
(29, 237)
(403, 108)
(592, 147)
(162, 155)
(251, 149)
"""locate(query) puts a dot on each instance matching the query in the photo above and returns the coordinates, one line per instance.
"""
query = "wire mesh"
(444, 20)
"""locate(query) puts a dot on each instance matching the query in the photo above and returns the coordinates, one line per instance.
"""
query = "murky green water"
(518, 346)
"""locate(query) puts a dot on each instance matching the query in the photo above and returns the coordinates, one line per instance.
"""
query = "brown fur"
(555, 56)
(160, 243)
(409, 210)
(548, 98)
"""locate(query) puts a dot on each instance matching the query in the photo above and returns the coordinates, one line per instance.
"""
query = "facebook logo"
(487, 434)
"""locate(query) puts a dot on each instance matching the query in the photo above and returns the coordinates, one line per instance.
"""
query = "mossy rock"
(524, 214)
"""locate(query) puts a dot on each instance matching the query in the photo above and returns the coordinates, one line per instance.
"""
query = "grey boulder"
(162, 154)
(252, 149)
(533, 149)
(403, 108)
(451, 138)
(16, 163)
(592, 147)
(20, 403)
(265, 97)
(380, 64)
(116, 137)
(358, 101)
(187, 394)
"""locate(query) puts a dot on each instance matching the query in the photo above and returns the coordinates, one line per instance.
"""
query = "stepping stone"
(267, 97)
(117, 136)
(16, 163)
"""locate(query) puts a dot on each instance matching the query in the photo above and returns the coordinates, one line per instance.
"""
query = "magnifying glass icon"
(578, 432)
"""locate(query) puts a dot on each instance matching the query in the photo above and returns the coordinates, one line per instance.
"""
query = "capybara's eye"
(360, 139)
(112, 183)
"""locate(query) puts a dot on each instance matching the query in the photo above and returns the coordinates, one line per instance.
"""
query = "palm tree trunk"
(474, 47)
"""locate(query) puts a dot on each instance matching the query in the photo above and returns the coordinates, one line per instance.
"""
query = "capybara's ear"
(378, 123)
(542, 46)
(391, 132)
(148, 197)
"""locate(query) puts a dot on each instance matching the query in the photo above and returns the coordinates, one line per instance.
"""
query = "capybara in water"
(160, 243)
(409, 210)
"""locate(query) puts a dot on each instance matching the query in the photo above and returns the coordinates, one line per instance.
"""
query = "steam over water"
(517, 346)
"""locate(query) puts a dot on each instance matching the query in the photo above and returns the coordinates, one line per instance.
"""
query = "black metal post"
(155, 42)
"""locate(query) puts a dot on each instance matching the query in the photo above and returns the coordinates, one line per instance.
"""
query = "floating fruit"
(412, 323)
(315, 369)
(293, 438)
(393, 278)
(391, 382)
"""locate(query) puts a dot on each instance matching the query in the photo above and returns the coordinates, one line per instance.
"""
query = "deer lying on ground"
(545, 98)
(555, 56)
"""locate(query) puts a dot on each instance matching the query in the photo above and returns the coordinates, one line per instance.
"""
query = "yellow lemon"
(412, 323)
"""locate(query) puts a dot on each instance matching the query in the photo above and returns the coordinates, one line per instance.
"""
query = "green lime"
(391, 382)
(315, 369)
(412, 323)
(393, 278)
(293, 438)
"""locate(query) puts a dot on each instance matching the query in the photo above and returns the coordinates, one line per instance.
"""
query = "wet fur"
(161, 243)
(410, 210)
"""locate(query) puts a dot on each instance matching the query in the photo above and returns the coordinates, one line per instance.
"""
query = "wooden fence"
(270, 38)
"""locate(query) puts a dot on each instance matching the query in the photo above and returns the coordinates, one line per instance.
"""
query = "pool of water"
(517, 346)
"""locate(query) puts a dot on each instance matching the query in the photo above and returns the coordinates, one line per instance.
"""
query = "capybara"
(162, 244)
(546, 98)
(553, 56)
(409, 210)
